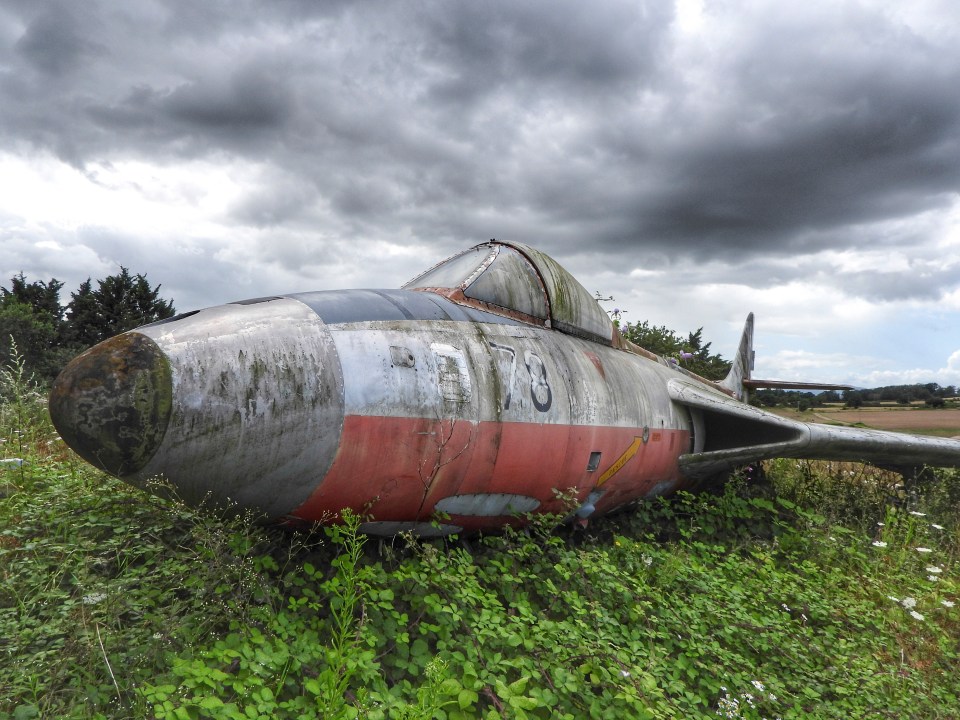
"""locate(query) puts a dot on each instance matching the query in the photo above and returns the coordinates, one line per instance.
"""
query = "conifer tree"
(46, 334)
(121, 302)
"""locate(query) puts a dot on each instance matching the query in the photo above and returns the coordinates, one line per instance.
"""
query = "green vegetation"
(690, 352)
(48, 334)
(820, 591)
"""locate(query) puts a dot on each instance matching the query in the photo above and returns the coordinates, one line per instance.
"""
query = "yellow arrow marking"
(621, 461)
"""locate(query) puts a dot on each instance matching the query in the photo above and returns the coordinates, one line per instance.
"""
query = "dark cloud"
(774, 132)
(543, 47)
(249, 100)
(53, 43)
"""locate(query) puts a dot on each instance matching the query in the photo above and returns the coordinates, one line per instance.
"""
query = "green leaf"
(517, 687)
(450, 686)
(210, 702)
(467, 699)
(523, 702)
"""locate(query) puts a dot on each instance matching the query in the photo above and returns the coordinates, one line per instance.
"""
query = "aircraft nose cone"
(112, 403)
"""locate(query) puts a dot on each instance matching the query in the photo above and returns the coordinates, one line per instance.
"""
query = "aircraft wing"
(736, 434)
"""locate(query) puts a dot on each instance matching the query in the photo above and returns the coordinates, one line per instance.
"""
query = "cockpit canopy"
(514, 279)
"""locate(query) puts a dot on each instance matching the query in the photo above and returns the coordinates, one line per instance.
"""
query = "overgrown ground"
(824, 591)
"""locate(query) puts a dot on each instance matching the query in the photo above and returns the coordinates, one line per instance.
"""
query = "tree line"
(45, 333)
(931, 394)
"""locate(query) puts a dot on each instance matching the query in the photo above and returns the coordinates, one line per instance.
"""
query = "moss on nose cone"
(112, 403)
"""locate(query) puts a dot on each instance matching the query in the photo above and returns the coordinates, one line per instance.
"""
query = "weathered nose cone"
(112, 403)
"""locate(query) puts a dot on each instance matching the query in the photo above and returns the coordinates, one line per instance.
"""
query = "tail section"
(729, 434)
(737, 381)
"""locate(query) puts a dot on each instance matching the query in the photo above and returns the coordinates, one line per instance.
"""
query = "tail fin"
(738, 379)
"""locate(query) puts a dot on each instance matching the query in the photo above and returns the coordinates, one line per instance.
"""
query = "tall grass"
(820, 590)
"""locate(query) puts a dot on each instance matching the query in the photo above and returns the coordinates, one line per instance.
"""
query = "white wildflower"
(909, 602)
(879, 543)
(947, 603)
(934, 570)
(728, 707)
(624, 673)
(785, 606)
(881, 524)
(915, 615)
(936, 527)
(94, 598)
(917, 514)
(757, 684)
(895, 599)
(923, 550)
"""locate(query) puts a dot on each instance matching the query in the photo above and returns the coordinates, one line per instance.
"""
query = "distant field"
(919, 421)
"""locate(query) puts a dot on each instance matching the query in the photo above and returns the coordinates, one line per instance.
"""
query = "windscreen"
(510, 282)
(453, 272)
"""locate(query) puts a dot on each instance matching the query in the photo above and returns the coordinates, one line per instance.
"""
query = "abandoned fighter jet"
(490, 386)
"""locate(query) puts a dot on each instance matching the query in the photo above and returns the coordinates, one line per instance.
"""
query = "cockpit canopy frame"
(515, 280)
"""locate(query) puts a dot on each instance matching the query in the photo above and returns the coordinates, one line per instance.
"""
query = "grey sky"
(696, 160)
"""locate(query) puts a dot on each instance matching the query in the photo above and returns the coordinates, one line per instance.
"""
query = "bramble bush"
(822, 591)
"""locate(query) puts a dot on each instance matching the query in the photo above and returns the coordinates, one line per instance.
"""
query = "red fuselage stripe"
(396, 468)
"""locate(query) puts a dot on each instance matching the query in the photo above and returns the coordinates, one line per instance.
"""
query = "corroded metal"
(491, 386)
(112, 403)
